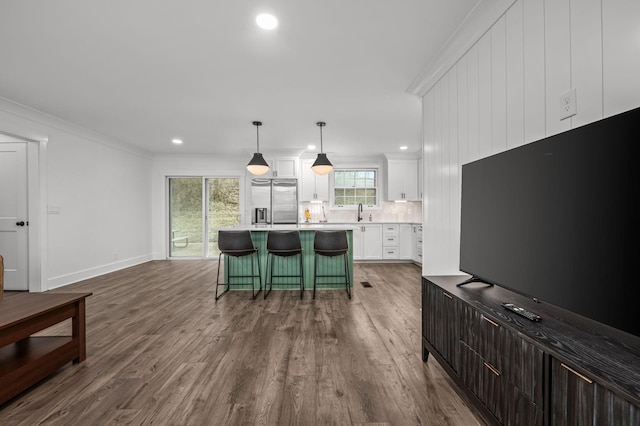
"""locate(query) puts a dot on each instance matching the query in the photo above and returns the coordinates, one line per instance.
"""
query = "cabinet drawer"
(484, 335)
(390, 253)
(391, 229)
(518, 409)
(483, 379)
(503, 399)
(390, 240)
(523, 366)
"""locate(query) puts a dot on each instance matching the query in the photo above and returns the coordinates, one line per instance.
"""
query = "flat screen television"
(557, 220)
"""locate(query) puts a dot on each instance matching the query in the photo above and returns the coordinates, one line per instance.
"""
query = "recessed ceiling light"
(177, 141)
(311, 147)
(266, 21)
(404, 147)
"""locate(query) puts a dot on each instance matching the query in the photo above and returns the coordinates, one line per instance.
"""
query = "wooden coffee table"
(26, 359)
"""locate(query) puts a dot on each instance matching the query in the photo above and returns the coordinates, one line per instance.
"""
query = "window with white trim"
(355, 186)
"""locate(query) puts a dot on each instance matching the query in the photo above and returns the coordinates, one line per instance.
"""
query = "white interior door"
(13, 215)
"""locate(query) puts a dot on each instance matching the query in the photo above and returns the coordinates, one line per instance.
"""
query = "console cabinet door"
(440, 322)
(577, 400)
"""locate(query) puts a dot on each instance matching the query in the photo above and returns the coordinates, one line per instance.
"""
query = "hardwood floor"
(161, 350)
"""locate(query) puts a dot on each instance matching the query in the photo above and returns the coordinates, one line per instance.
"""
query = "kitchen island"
(286, 266)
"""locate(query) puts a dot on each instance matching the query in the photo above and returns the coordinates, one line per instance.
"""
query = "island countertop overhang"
(292, 227)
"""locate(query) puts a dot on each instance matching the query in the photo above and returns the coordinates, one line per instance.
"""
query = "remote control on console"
(522, 311)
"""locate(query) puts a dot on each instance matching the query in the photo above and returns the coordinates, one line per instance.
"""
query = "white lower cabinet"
(367, 242)
(405, 243)
(389, 241)
(417, 243)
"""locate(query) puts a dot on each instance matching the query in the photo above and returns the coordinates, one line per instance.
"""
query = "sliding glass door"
(223, 208)
(198, 207)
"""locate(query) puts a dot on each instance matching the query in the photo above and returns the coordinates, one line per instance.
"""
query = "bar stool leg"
(346, 274)
(301, 278)
(253, 277)
(315, 273)
(268, 276)
(218, 279)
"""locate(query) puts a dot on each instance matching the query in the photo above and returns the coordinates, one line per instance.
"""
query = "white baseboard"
(63, 280)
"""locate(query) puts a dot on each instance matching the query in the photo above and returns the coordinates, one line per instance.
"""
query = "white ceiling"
(145, 71)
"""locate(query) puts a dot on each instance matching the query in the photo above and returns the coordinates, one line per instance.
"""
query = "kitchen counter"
(292, 227)
(289, 265)
(366, 222)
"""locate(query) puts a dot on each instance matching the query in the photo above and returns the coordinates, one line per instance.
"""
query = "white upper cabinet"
(282, 167)
(313, 187)
(402, 179)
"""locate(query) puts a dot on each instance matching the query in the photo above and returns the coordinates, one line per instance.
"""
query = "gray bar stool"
(331, 244)
(283, 244)
(235, 245)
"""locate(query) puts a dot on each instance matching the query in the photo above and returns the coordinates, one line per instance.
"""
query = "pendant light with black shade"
(322, 165)
(257, 165)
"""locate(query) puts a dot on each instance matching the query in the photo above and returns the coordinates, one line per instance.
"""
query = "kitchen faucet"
(360, 212)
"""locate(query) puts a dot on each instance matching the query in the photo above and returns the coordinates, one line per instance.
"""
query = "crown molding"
(37, 125)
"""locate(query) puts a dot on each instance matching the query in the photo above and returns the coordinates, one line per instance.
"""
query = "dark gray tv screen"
(557, 220)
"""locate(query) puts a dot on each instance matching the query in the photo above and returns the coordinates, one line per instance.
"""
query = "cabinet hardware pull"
(492, 368)
(448, 295)
(491, 322)
(583, 377)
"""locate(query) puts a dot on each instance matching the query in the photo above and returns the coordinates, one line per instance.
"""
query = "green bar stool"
(283, 244)
(236, 245)
(331, 244)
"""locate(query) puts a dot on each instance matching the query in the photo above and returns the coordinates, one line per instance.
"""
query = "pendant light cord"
(257, 124)
(321, 124)
(257, 138)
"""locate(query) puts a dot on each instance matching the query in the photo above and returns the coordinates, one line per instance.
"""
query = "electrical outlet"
(568, 104)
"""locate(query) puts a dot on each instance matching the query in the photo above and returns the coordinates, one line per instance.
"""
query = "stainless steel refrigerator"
(278, 196)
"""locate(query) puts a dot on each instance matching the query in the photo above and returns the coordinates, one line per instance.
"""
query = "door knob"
(21, 223)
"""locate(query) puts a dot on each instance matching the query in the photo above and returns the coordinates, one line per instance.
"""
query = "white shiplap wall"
(504, 92)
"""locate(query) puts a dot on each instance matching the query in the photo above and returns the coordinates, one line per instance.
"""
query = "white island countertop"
(293, 227)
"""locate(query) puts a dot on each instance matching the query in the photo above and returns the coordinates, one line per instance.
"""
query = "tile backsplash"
(387, 212)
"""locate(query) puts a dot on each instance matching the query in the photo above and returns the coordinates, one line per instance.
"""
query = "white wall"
(173, 166)
(103, 192)
(504, 92)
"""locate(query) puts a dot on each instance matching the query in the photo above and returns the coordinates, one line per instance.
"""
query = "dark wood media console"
(563, 370)
(26, 359)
